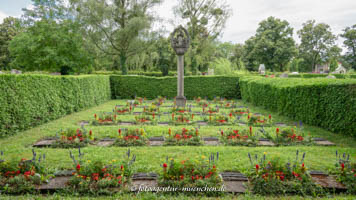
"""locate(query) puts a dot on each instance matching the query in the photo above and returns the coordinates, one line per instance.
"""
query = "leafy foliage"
(320, 102)
(55, 97)
(126, 87)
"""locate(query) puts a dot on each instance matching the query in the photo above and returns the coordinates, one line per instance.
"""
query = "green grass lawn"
(149, 158)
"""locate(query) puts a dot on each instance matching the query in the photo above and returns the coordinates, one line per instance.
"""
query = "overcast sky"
(248, 13)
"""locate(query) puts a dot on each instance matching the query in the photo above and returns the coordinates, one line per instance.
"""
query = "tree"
(205, 21)
(350, 43)
(273, 44)
(50, 46)
(8, 30)
(236, 58)
(116, 27)
(316, 41)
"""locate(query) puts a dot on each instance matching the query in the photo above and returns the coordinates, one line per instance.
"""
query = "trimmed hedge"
(141, 73)
(322, 102)
(30, 100)
(126, 87)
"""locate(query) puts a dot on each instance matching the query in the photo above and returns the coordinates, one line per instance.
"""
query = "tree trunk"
(123, 59)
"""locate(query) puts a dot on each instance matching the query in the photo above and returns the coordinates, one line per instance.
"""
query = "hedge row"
(338, 76)
(141, 73)
(326, 103)
(126, 87)
(30, 100)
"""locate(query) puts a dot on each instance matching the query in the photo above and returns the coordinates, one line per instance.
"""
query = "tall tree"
(238, 52)
(316, 41)
(116, 27)
(273, 44)
(205, 20)
(50, 46)
(8, 30)
(350, 43)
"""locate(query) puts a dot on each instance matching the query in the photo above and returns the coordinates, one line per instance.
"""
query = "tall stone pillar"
(180, 43)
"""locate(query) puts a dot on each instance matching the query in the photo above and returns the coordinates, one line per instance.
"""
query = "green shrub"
(322, 102)
(126, 87)
(30, 100)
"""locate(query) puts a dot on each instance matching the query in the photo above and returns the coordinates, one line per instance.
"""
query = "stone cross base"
(181, 101)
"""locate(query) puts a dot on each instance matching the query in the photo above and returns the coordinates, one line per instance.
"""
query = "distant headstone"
(331, 77)
(1, 72)
(340, 70)
(284, 75)
(15, 71)
(295, 72)
(262, 69)
(210, 72)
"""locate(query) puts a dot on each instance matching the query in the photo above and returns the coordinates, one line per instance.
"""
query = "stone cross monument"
(180, 41)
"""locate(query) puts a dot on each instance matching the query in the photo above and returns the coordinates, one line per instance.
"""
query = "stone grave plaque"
(326, 181)
(211, 141)
(44, 143)
(143, 180)
(156, 141)
(234, 182)
(323, 142)
(106, 142)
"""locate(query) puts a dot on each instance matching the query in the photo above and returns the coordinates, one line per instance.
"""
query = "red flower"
(257, 167)
(119, 131)
(169, 131)
(303, 165)
(342, 166)
(192, 178)
(78, 167)
(282, 178)
(164, 165)
(250, 129)
(90, 132)
(230, 115)
(181, 177)
(222, 133)
(28, 173)
(18, 172)
(277, 130)
(270, 116)
(70, 138)
(300, 138)
(122, 167)
(95, 116)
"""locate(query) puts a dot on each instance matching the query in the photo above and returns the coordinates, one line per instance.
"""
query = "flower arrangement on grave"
(131, 137)
(239, 111)
(182, 119)
(242, 137)
(191, 173)
(258, 120)
(153, 109)
(105, 118)
(287, 136)
(24, 176)
(276, 177)
(203, 103)
(177, 109)
(139, 100)
(197, 100)
(219, 119)
(211, 110)
(183, 137)
(159, 101)
(146, 119)
(229, 104)
(96, 177)
(346, 172)
(73, 138)
(133, 103)
(123, 110)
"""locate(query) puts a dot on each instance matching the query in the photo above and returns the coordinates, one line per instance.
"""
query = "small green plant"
(346, 172)
(191, 173)
(276, 177)
(183, 137)
(96, 177)
(20, 177)
(146, 119)
(73, 138)
(238, 137)
(105, 118)
(182, 119)
(132, 137)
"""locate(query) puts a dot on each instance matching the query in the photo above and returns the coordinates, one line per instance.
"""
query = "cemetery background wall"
(30, 100)
(322, 102)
